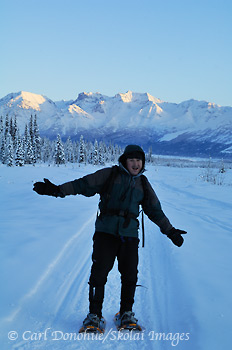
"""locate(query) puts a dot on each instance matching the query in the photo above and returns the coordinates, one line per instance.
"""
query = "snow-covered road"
(46, 243)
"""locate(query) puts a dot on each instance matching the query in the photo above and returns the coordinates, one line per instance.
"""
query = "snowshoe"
(93, 324)
(126, 321)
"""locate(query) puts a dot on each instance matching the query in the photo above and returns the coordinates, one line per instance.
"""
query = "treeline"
(30, 148)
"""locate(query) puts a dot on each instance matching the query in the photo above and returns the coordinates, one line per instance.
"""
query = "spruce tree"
(82, 156)
(28, 147)
(59, 155)
(30, 156)
(95, 153)
(1, 126)
(6, 126)
(9, 151)
(101, 158)
(15, 132)
(19, 154)
(69, 154)
(46, 151)
(36, 139)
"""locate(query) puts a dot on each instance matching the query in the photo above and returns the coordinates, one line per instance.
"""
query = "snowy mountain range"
(190, 128)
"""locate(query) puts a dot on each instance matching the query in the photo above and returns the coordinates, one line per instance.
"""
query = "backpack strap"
(107, 187)
(106, 190)
(144, 181)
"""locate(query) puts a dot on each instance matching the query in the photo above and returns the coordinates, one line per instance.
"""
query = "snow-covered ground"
(46, 245)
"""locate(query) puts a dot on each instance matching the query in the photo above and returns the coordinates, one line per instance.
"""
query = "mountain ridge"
(192, 127)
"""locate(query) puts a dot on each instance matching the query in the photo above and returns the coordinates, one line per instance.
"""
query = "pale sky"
(173, 49)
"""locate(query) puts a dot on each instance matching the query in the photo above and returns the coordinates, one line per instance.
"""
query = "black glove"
(47, 188)
(175, 236)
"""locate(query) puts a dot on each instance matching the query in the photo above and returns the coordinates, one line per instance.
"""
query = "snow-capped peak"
(127, 97)
(130, 96)
(29, 100)
(25, 100)
(89, 96)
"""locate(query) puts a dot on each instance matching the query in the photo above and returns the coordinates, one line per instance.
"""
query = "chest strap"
(118, 212)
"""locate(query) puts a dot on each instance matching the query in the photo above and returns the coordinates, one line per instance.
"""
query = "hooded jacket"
(126, 195)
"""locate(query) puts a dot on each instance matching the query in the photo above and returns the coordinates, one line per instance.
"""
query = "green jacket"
(127, 193)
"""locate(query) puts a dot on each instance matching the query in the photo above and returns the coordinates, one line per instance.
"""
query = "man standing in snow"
(122, 190)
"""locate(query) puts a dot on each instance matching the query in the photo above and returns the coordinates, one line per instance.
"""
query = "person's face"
(134, 166)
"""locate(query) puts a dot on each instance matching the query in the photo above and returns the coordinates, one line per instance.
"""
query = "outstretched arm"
(152, 208)
(88, 185)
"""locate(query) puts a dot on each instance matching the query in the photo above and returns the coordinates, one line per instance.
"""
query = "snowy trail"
(204, 211)
(58, 291)
(168, 303)
(181, 293)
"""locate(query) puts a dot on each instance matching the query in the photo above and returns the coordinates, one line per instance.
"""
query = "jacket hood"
(132, 151)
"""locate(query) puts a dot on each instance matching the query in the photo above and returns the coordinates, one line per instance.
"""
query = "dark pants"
(106, 248)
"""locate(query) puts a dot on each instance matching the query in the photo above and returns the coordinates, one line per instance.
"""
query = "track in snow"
(60, 291)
